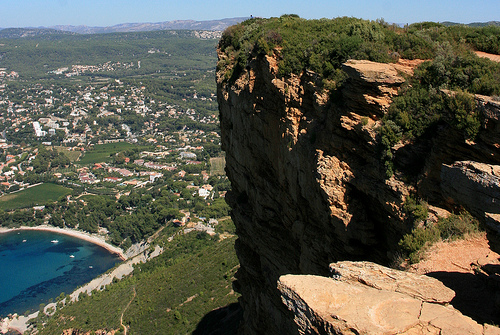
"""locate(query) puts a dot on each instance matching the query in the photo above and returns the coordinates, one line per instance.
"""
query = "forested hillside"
(158, 52)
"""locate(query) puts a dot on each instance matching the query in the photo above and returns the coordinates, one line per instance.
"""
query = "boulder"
(366, 298)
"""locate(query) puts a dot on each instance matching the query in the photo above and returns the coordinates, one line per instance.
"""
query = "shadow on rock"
(224, 320)
(477, 295)
(493, 237)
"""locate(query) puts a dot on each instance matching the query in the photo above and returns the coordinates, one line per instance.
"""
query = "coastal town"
(117, 160)
(76, 121)
(118, 149)
(106, 137)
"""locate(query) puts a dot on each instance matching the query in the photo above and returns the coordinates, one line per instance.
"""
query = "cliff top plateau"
(353, 140)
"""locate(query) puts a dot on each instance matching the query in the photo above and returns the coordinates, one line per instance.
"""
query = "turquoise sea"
(35, 268)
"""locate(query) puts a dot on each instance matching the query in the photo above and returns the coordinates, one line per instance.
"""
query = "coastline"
(20, 322)
(73, 233)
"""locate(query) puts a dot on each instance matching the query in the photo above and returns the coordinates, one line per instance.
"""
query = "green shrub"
(458, 225)
(389, 134)
(414, 243)
(466, 116)
(415, 110)
(418, 210)
(453, 227)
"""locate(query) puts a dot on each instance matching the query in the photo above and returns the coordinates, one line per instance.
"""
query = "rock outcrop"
(308, 185)
(366, 298)
(372, 86)
(474, 185)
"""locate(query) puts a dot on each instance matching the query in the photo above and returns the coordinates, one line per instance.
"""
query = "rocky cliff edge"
(309, 188)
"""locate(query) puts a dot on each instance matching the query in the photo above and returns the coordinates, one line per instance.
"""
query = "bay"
(34, 268)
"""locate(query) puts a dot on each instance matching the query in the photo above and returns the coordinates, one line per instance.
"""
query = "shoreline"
(20, 322)
(73, 233)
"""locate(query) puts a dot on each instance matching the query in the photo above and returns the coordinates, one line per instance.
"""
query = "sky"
(36, 13)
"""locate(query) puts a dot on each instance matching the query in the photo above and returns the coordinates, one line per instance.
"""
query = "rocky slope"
(308, 185)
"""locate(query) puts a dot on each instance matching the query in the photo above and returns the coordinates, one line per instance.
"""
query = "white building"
(38, 129)
(154, 176)
(203, 193)
(188, 155)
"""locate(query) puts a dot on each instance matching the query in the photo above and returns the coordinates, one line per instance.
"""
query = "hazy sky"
(33, 13)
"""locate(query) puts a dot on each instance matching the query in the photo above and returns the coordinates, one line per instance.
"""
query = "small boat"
(24, 241)
(91, 267)
(54, 241)
(71, 256)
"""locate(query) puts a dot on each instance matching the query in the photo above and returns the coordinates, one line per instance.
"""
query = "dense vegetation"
(169, 294)
(323, 45)
(158, 52)
(129, 220)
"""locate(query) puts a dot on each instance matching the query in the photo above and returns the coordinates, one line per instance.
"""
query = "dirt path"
(128, 305)
(493, 57)
(457, 256)
(471, 269)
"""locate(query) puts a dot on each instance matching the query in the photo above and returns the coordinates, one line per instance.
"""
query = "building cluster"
(4, 74)
(77, 70)
(90, 113)
(75, 118)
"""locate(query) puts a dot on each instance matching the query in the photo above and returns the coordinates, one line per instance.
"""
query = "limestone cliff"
(365, 298)
(308, 185)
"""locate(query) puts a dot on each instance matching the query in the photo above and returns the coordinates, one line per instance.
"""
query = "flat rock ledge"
(366, 298)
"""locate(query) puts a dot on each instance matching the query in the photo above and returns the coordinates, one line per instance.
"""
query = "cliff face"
(308, 186)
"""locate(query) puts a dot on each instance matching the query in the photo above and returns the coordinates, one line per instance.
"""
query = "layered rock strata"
(308, 186)
(474, 185)
(366, 298)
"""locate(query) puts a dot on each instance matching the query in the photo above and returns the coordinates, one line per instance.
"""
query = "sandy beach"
(139, 253)
(20, 323)
(98, 240)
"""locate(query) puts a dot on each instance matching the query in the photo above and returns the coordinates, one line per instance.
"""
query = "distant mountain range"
(213, 25)
(473, 24)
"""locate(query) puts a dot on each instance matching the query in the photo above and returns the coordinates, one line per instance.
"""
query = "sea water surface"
(35, 268)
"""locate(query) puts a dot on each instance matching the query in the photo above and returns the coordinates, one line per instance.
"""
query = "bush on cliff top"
(423, 103)
(317, 45)
(454, 227)
(323, 45)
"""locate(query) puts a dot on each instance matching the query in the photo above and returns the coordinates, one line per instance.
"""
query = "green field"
(104, 152)
(72, 155)
(217, 165)
(37, 195)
